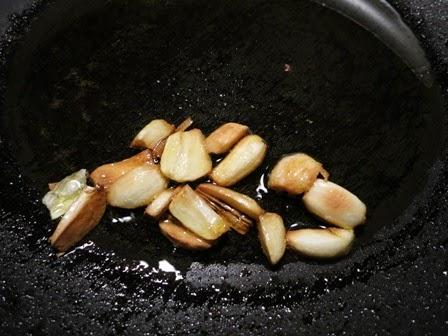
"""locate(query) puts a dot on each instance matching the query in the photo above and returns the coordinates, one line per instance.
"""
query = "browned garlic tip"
(152, 134)
(197, 215)
(271, 232)
(335, 205)
(185, 157)
(182, 237)
(321, 243)
(107, 174)
(235, 219)
(161, 202)
(242, 160)
(82, 216)
(295, 174)
(137, 187)
(222, 139)
(236, 200)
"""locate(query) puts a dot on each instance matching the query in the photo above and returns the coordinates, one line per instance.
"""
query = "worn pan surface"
(79, 78)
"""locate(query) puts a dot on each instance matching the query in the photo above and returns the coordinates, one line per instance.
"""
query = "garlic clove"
(64, 193)
(184, 157)
(242, 160)
(137, 187)
(321, 243)
(82, 217)
(152, 133)
(107, 174)
(161, 202)
(236, 200)
(222, 139)
(180, 236)
(197, 215)
(295, 174)
(160, 146)
(271, 232)
(335, 205)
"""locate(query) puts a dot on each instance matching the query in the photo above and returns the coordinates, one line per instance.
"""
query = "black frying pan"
(80, 78)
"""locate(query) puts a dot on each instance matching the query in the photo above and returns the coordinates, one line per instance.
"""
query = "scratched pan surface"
(82, 82)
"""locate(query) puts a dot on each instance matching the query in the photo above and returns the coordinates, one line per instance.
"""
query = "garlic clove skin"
(242, 160)
(295, 174)
(152, 133)
(107, 174)
(236, 200)
(197, 215)
(222, 139)
(335, 205)
(185, 157)
(180, 236)
(82, 217)
(271, 232)
(137, 187)
(321, 243)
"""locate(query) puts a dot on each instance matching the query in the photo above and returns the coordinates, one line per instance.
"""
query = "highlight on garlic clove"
(295, 174)
(137, 187)
(63, 194)
(161, 202)
(271, 232)
(235, 219)
(242, 160)
(152, 133)
(222, 139)
(82, 217)
(180, 236)
(321, 243)
(335, 205)
(185, 157)
(107, 174)
(236, 200)
(197, 215)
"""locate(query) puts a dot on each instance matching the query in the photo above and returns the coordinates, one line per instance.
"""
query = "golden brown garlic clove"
(160, 145)
(271, 232)
(236, 200)
(161, 202)
(180, 236)
(295, 174)
(242, 160)
(107, 174)
(335, 205)
(82, 217)
(321, 243)
(185, 157)
(137, 187)
(152, 133)
(197, 215)
(222, 139)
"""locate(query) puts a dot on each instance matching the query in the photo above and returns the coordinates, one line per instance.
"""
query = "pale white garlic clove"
(335, 205)
(271, 232)
(63, 194)
(321, 243)
(222, 139)
(242, 160)
(236, 200)
(197, 215)
(137, 187)
(295, 174)
(107, 174)
(152, 133)
(82, 216)
(180, 236)
(185, 157)
(161, 202)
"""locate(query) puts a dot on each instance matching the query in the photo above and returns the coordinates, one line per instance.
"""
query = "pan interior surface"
(301, 76)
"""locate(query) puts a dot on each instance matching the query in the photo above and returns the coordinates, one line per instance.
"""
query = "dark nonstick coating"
(75, 98)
